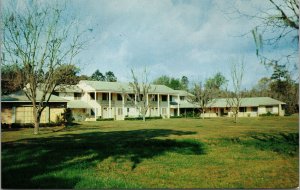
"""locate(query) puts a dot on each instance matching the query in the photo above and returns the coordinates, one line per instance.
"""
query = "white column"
(136, 109)
(158, 108)
(178, 102)
(147, 104)
(95, 109)
(109, 104)
(123, 106)
(168, 106)
(279, 109)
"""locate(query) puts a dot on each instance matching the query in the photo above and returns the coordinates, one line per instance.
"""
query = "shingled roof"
(124, 87)
(246, 102)
(21, 97)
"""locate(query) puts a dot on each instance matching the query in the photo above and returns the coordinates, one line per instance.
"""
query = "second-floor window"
(130, 97)
(92, 95)
(164, 98)
(104, 96)
(77, 96)
(119, 97)
(181, 97)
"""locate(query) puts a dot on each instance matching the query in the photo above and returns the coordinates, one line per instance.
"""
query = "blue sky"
(170, 37)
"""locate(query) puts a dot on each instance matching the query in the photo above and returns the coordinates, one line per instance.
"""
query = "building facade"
(16, 108)
(92, 100)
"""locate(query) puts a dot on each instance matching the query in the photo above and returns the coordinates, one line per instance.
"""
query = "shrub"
(104, 119)
(176, 116)
(68, 116)
(268, 114)
(141, 118)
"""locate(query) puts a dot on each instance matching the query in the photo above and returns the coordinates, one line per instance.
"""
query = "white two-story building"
(90, 100)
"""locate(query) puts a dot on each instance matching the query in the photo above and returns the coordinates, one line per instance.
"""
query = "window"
(254, 109)
(119, 97)
(181, 97)
(242, 109)
(164, 98)
(155, 98)
(127, 110)
(104, 96)
(130, 97)
(77, 96)
(164, 111)
(92, 95)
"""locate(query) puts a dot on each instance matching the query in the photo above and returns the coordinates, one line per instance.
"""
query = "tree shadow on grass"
(282, 143)
(36, 162)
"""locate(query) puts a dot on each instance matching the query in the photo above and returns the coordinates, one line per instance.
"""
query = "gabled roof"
(21, 97)
(246, 102)
(125, 87)
(183, 93)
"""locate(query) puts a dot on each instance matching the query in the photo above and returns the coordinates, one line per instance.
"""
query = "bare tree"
(201, 97)
(277, 23)
(39, 37)
(141, 91)
(234, 99)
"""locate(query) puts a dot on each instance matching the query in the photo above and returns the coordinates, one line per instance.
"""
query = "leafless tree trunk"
(141, 90)
(40, 39)
(234, 99)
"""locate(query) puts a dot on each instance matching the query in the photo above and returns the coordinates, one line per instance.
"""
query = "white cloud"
(191, 38)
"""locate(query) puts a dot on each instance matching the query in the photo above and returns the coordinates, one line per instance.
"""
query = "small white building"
(250, 107)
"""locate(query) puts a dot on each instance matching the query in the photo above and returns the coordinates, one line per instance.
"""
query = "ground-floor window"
(242, 109)
(92, 112)
(254, 109)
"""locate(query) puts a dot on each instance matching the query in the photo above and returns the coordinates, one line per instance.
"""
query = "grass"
(170, 153)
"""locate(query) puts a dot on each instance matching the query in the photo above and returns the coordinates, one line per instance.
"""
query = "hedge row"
(104, 119)
(27, 125)
(141, 118)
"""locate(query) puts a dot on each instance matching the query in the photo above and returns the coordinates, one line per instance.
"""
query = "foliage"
(268, 114)
(141, 118)
(105, 119)
(174, 83)
(176, 116)
(68, 116)
(216, 82)
(98, 76)
(11, 79)
(68, 74)
(110, 77)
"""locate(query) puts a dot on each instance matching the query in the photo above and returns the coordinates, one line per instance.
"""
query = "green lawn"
(174, 153)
